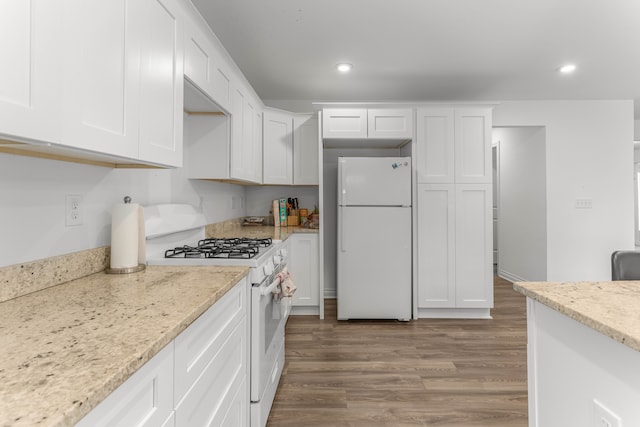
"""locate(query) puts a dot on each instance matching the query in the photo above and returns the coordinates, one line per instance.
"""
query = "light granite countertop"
(257, 231)
(611, 308)
(66, 348)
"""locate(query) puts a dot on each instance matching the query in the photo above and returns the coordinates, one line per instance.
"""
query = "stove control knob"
(277, 259)
(283, 253)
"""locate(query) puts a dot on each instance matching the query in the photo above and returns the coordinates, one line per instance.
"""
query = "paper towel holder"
(125, 270)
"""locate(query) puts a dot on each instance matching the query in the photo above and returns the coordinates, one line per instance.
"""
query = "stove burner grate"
(234, 248)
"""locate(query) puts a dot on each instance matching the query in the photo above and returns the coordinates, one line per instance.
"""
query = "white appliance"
(374, 238)
(175, 235)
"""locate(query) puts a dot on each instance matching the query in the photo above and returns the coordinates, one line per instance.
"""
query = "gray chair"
(625, 265)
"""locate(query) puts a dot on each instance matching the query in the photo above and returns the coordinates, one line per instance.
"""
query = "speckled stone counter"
(611, 308)
(256, 231)
(66, 348)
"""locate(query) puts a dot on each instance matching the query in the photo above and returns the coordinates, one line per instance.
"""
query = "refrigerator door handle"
(342, 191)
(341, 220)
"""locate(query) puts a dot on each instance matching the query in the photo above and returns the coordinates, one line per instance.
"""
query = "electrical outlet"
(73, 210)
(604, 417)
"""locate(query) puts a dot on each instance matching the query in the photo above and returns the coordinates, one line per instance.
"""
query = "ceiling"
(432, 50)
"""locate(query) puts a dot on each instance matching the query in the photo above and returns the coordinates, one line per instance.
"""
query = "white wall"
(32, 207)
(589, 154)
(522, 206)
(636, 133)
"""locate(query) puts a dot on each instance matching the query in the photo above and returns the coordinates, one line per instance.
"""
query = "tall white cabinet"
(454, 212)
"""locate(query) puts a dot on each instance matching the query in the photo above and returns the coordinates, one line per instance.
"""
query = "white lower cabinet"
(199, 379)
(144, 400)
(303, 265)
(455, 245)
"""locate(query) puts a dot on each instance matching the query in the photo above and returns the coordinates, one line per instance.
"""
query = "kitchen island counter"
(64, 349)
(583, 352)
(611, 308)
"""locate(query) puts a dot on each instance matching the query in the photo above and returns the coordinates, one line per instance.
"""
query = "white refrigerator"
(374, 238)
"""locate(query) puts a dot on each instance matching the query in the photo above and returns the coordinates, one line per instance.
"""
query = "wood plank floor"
(453, 373)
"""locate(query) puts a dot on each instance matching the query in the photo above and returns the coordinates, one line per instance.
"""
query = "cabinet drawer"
(221, 392)
(145, 399)
(201, 341)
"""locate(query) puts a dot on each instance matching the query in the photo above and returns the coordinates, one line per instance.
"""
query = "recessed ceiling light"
(567, 69)
(344, 67)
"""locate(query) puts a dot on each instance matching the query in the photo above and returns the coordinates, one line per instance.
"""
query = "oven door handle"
(271, 287)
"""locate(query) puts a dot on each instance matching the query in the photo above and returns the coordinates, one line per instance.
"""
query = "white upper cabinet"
(454, 145)
(124, 79)
(391, 123)
(277, 147)
(160, 23)
(101, 68)
(30, 89)
(245, 141)
(343, 123)
(205, 64)
(362, 123)
(305, 149)
(473, 145)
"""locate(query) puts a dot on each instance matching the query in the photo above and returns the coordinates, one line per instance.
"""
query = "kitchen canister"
(127, 238)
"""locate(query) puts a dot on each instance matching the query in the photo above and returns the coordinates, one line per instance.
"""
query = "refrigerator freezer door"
(374, 267)
(374, 181)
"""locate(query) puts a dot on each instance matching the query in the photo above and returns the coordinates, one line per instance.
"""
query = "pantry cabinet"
(372, 123)
(201, 378)
(454, 145)
(303, 265)
(455, 249)
(30, 89)
(124, 76)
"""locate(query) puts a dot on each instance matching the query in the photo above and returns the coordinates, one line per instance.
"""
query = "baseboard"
(510, 277)
(305, 310)
(454, 313)
(330, 293)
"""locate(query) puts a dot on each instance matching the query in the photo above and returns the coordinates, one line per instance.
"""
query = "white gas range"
(175, 235)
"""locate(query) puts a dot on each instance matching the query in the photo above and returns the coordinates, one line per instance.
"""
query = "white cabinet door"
(277, 148)
(305, 149)
(101, 77)
(390, 123)
(454, 145)
(339, 123)
(160, 23)
(474, 246)
(199, 58)
(473, 145)
(245, 142)
(124, 78)
(435, 145)
(222, 391)
(303, 265)
(31, 83)
(436, 246)
(144, 400)
(199, 343)
(221, 76)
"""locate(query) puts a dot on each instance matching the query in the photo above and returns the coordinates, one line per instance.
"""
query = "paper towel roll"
(125, 235)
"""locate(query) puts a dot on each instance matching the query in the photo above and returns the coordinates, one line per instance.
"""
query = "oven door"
(268, 318)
